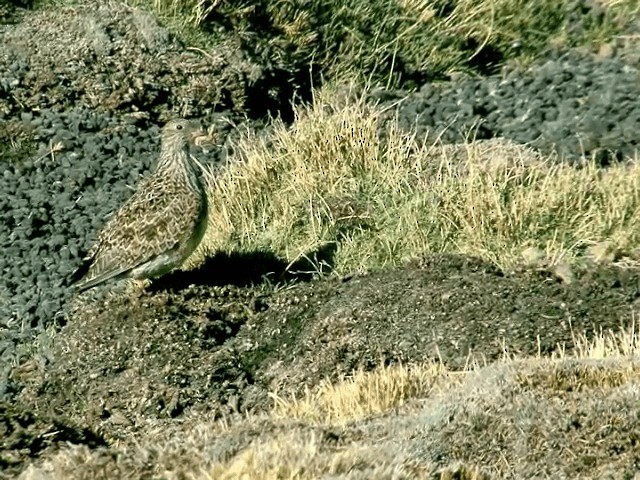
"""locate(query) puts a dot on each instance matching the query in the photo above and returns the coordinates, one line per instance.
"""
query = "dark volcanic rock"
(575, 104)
(55, 203)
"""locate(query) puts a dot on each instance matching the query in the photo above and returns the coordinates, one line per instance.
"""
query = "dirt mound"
(114, 57)
(129, 358)
(24, 435)
(449, 308)
(148, 356)
(550, 418)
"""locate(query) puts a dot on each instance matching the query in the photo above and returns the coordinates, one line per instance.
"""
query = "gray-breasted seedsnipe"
(160, 225)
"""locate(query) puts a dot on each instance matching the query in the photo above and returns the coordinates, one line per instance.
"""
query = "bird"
(160, 225)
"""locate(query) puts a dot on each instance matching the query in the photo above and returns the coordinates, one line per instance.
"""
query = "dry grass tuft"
(606, 344)
(363, 395)
(309, 455)
(604, 360)
(295, 452)
(331, 179)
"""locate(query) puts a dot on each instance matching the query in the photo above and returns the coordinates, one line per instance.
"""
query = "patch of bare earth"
(155, 372)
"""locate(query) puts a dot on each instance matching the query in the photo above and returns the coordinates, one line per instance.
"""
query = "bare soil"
(220, 346)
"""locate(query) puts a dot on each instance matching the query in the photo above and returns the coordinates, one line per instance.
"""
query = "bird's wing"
(82, 283)
(155, 220)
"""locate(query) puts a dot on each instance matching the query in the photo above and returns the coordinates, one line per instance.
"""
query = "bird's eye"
(179, 126)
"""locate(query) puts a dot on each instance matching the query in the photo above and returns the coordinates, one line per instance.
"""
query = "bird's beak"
(196, 132)
(196, 128)
(203, 138)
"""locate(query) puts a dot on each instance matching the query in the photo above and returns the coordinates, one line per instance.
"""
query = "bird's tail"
(74, 278)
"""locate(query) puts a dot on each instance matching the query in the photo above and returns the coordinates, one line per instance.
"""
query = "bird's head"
(179, 134)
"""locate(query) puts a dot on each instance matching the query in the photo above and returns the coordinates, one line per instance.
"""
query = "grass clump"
(330, 180)
(363, 395)
(16, 141)
(402, 42)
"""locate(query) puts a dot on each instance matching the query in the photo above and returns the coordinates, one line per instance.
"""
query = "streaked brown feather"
(162, 217)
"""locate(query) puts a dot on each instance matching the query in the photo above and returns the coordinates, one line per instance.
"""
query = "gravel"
(575, 104)
(86, 160)
(54, 203)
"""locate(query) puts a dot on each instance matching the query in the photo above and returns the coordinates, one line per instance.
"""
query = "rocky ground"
(561, 104)
(80, 109)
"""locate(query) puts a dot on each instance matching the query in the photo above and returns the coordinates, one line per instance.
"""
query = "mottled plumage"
(160, 225)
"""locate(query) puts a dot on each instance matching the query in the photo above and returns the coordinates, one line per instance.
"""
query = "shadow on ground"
(242, 269)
